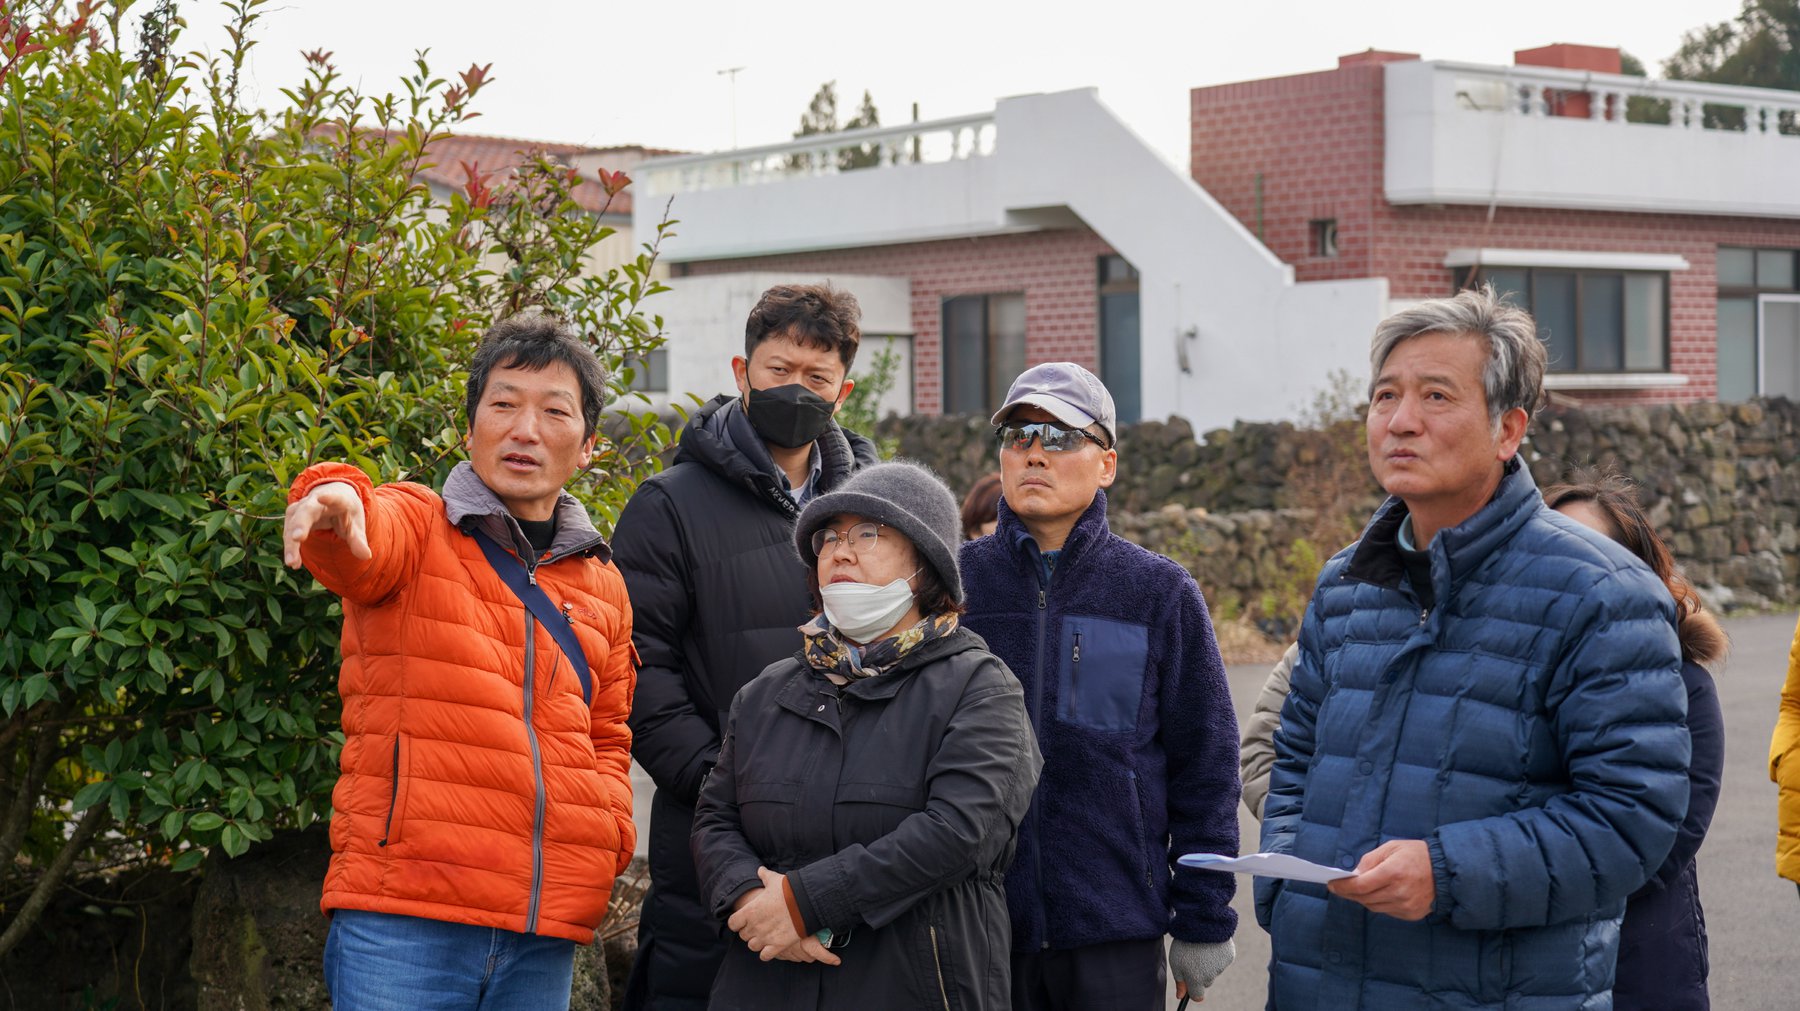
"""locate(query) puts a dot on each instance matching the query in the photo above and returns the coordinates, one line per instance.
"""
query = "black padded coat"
(893, 805)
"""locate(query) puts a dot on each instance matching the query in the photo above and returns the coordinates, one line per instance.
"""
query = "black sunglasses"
(1055, 438)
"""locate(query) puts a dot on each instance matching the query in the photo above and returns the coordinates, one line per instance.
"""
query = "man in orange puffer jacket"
(484, 806)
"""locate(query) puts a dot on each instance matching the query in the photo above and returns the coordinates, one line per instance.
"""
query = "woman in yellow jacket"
(1784, 769)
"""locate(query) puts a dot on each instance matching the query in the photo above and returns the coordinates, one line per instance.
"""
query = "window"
(649, 373)
(1744, 359)
(1121, 360)
(1592, 320)
(984, 350)
(1324, 237)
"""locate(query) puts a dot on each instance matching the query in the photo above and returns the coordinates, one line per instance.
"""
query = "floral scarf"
(829, 653)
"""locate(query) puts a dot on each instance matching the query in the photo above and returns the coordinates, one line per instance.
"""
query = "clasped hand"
(760, 917)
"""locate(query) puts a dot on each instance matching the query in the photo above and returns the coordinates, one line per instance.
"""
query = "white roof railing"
(1690, 105)
(952, 139)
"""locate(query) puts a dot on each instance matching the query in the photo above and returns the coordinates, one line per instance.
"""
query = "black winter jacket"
(892, 804)
(717, 594)
(1662, 941)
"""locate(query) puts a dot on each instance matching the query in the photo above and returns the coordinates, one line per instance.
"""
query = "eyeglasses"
(861, 537)
(1053, 437)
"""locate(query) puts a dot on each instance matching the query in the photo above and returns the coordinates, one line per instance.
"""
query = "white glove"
(1198, 964)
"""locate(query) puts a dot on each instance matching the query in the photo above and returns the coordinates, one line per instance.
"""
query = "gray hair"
(1514, 373)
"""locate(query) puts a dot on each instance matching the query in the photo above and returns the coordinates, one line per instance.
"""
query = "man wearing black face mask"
(718, 594)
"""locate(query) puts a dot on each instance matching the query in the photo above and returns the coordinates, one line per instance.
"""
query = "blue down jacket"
(1125, 689)
(1529, 728)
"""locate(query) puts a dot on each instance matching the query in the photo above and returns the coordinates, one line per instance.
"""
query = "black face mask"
(790, 416)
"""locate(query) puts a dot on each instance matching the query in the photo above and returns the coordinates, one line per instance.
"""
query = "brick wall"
(1318, 141)
(1056, 270)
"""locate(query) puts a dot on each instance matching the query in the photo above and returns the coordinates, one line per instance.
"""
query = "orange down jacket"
(477, 786)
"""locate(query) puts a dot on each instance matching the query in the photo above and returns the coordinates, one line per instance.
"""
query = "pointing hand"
(332, 506)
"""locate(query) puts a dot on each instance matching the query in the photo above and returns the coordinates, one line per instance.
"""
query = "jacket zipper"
(387, 827)
(537, 766)
(1037, 817)
(1137, 806)
(938, 963)
(1075, 680)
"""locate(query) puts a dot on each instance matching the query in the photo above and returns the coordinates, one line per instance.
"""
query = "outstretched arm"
(361, 541)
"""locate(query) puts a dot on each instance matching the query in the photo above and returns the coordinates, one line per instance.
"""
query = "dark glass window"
(1591, 320)
(1553, 303)
(1324, 237)
(984, 350)
(1121, 361)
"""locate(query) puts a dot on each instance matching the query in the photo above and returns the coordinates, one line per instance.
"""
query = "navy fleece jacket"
(1126, 691)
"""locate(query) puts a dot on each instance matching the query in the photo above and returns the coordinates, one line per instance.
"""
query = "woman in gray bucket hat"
(856, 830)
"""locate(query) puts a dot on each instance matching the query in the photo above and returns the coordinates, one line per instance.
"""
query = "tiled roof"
(501, 156)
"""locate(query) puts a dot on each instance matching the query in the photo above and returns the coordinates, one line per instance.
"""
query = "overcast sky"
(648, 72)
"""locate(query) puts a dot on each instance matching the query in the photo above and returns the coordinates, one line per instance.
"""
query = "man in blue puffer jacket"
(1133, 715)
(1486, 718)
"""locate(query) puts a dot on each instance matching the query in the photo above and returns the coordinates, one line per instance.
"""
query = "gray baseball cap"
(1070, 393)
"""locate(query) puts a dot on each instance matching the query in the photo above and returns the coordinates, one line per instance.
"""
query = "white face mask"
(863, 611)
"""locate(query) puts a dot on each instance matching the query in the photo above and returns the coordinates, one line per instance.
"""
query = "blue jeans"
(385, 962)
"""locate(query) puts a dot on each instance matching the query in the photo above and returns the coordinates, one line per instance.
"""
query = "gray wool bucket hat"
(905, 496)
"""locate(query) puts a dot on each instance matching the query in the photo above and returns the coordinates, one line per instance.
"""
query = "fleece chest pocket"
(1100, 673)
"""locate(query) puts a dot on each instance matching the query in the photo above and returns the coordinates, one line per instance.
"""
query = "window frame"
(1752, 290)
(1579, 367)
(1752, 293)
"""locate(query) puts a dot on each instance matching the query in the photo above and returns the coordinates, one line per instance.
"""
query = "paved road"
(1753, 917)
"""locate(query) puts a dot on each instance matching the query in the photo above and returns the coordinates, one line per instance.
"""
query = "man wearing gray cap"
(1127, 694)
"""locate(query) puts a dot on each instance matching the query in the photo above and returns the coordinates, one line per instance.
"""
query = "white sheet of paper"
(1268, 865)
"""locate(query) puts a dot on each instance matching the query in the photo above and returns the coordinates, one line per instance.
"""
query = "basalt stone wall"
(1722, 483)
(1245, 467)
(1245, 561)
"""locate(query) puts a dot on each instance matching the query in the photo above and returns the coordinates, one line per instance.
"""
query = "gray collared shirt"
(815, 465)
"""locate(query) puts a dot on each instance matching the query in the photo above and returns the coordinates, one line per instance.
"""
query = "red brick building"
(1642, 295)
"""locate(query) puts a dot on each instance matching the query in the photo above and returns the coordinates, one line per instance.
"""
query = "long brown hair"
(1613, 494)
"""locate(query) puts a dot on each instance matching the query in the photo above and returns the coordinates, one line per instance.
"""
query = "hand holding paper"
(1394, 878)
(1268, 865)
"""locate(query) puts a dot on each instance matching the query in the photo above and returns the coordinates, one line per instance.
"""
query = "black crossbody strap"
(513, 574)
